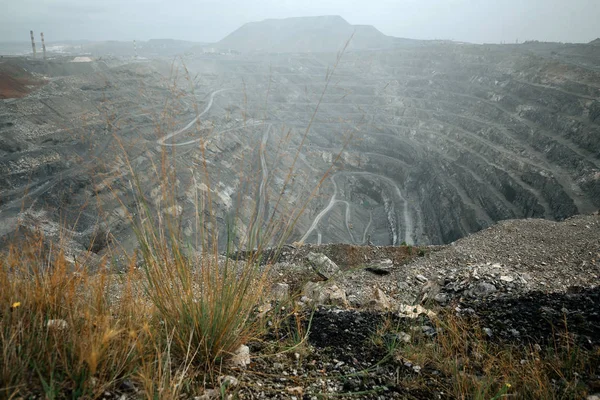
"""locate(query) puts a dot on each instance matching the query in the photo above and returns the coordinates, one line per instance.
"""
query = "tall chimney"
(32, 43)
(43, 45)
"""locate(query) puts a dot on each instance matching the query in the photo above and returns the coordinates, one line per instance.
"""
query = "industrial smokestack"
(43, 45)
(32, 43)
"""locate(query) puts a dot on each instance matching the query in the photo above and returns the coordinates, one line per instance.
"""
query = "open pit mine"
(378, 140)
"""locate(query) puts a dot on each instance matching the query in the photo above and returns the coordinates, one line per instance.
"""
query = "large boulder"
(322, 265)
(323, 294)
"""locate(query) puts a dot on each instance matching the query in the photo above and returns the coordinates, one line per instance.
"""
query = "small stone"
(408, 311)
(483, 289)
(488, 332)
(127, 385)
(263, 309)
(57, 324)
(241, 357)
(428, 330)
(278, 366)
(280, 291)
(441, 298)
(404, 337)
(322, 294)
(381, 267)
(429, 290)
(507, 278)
(380, 301)
(354, 301)
(229, 381)
(208, 395)
(421, 278)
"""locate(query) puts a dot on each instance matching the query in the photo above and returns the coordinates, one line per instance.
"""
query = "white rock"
(507, 278)
(404, 337)
(337, 296)
(208, 395)
(380, 301)
(421, 278)
(241, 357)
(319, 293)
(57, 324)
(408, 311)
(229, 381)
(297, 390)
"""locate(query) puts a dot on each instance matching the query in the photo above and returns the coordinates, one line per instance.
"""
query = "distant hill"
(595, 42)
(305, 34)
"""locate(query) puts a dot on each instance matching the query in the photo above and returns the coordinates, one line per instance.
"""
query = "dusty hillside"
(300, 35)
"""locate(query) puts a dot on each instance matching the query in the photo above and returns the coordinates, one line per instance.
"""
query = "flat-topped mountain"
(305, 34)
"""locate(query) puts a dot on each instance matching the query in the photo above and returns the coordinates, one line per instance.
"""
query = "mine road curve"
(260, 211)
(408, 221)
(322, 213)
(162, 140)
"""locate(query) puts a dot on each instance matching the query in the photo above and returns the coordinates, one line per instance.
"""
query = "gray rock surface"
(323, 265)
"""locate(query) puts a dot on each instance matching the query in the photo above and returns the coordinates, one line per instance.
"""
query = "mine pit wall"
(465, 150)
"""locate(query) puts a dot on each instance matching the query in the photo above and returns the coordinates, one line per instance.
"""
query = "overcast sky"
(210, 20)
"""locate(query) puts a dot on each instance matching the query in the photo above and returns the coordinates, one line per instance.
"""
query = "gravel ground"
(521, 281)
(511, 258)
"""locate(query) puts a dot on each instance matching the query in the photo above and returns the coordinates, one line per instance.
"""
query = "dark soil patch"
(346, 360)
(540, 317)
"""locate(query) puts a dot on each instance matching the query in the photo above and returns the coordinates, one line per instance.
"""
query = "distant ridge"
(595, 42)
(305, 34)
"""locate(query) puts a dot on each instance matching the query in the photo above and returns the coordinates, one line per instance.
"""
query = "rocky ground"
(521, 283)
(379, 322)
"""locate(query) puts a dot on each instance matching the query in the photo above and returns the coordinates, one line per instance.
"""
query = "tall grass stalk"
(172, 315)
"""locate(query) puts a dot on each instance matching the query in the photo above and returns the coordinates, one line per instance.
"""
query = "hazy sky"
(210, 20)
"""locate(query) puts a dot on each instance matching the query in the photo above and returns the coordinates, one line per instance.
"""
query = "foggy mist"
(475, 21)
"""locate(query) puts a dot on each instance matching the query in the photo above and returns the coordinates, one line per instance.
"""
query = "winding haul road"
(323, 212)
(162, 140)
(408, 221)
(265, 176)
